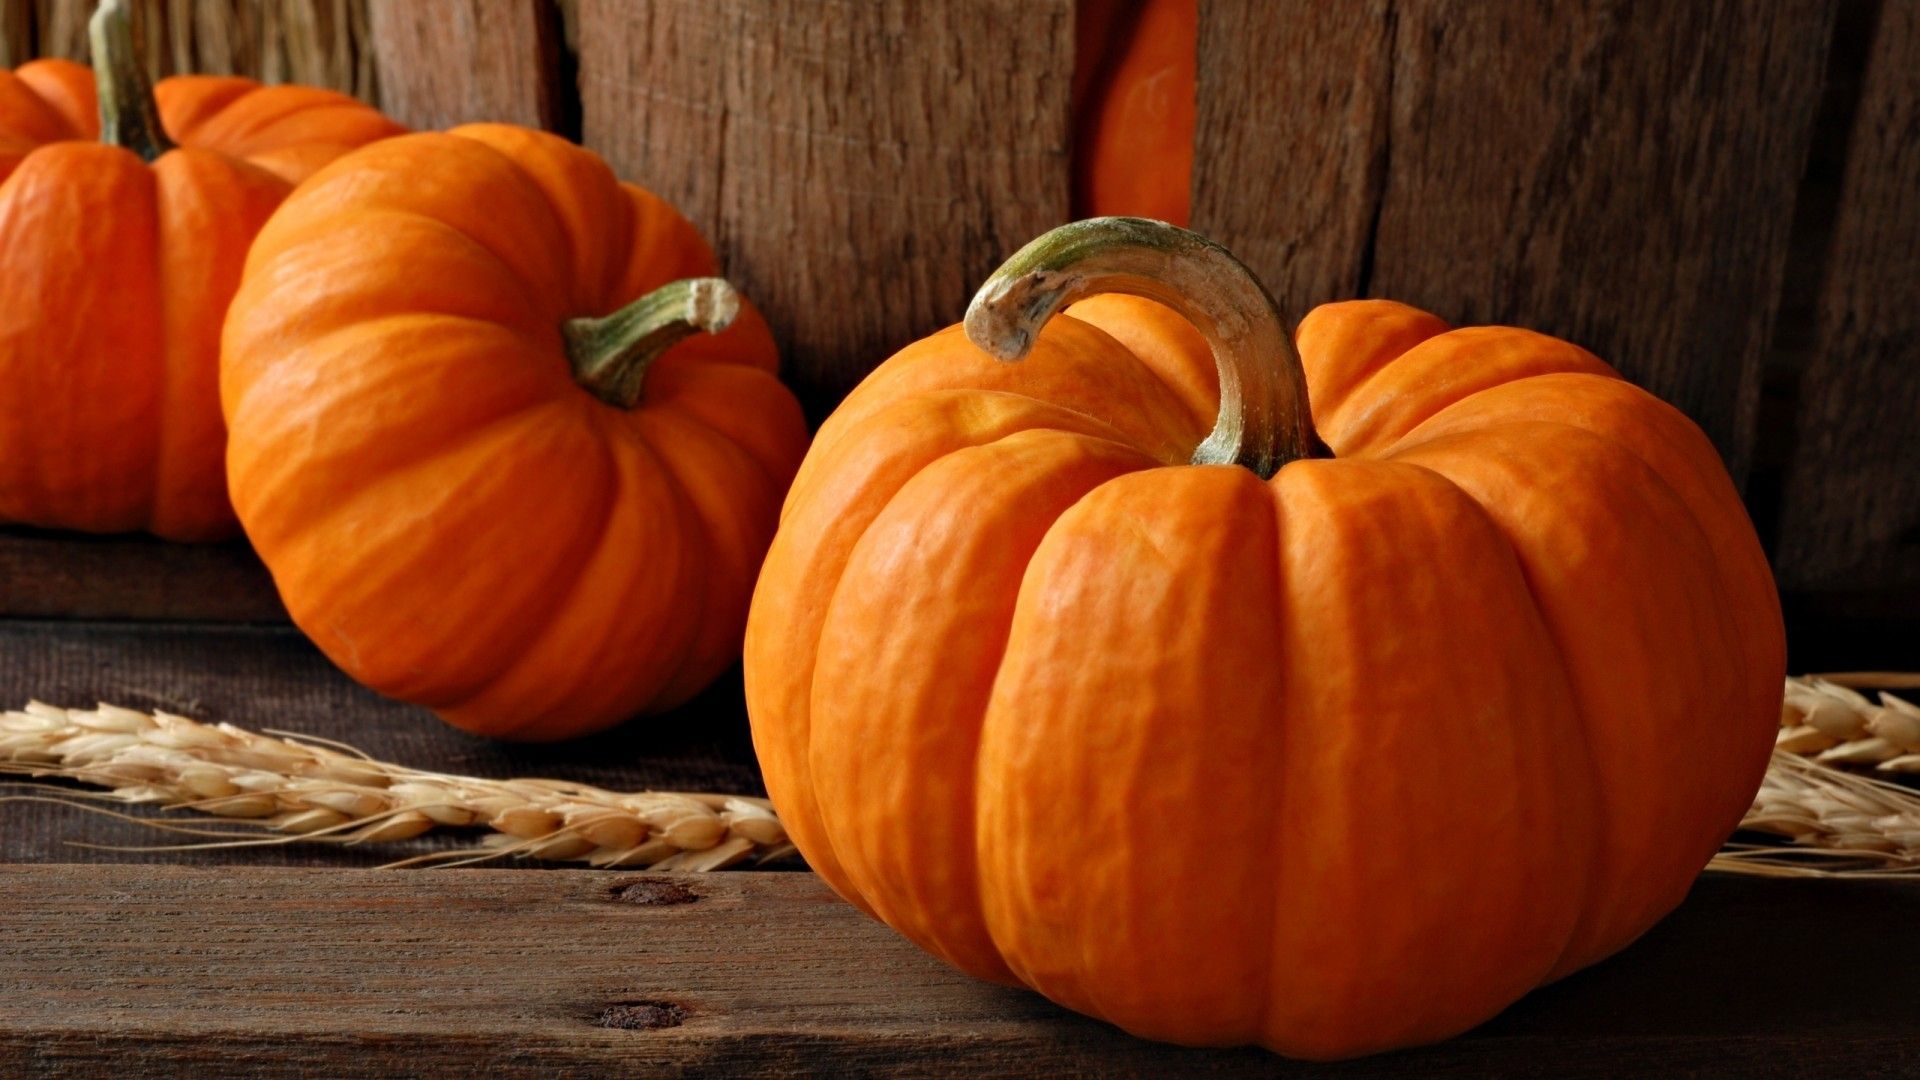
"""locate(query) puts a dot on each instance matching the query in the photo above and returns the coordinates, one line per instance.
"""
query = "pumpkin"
(121, 239)
(1104, 674)
(1134, 108)
(472, 439)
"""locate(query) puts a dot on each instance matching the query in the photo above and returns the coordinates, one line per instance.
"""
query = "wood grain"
(287, 972)
(459, 61)
(17, 44)
(860, 166)
(1290, 140)
(62, 575)
(1621, 175)
(1850, 512)
(313, 42)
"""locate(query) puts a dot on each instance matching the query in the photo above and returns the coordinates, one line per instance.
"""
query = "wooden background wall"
(1722, 197)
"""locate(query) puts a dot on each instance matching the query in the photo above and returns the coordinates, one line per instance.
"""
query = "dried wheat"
(1832, 821)
(1836, 821)
(311, 789)
(1830, 719)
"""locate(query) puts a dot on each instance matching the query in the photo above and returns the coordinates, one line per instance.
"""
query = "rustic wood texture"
(1621, 175)
(17, 44)
(298, 972)
(60, 575)
(314, 42)
(1850, 509)
(1290, 148)
(860, 165)
(458, 61)
(261, 677)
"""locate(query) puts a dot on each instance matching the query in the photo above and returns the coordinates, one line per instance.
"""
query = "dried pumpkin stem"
(129, 118)
(1264, 420)
(611, 354)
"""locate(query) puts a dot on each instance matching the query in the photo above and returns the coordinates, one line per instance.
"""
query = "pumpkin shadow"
(1749, 976)
(1746, 956)
(703, 745)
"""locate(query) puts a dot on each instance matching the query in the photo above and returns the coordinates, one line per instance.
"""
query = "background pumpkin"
(1331, 754)
(468, 497)
(117, 259)
(1134, 108)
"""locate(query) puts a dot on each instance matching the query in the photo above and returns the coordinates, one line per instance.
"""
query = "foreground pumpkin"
(1331, 747)
(123, 226)
(473, 441)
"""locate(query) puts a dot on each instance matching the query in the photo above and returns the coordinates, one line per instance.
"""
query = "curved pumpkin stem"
(128, 116)
(1264, 421)
(610, 355)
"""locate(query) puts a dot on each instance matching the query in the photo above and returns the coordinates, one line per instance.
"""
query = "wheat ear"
(311, 789)
(1833, 821)
(1836, 821)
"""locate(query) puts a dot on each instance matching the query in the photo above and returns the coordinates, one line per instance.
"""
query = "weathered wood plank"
(262, 677)
(61, 575)
(459, 61)
(1290, 140)
(861, 166)
(313, 42)
(505, 974)
(1621, 175)
(16, 32)
(1850, 511)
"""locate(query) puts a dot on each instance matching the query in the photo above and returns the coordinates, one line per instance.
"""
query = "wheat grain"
(1835, 821)
(1832, 821)
(311, 789)
(1828, 717)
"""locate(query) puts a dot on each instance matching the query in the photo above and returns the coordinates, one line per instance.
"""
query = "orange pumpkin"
(117, 258)
(1134, 108)
(471, 438)
(1230, 735)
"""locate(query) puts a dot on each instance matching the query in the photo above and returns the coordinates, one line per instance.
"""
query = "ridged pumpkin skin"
(1340, 761)
(1134, 83)
(114, 278)
(448, 514)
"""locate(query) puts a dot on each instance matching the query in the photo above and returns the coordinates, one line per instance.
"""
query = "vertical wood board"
(861, 166)
(312, 42)
(1290, 140)
(1621, 175)
(17, 44)
(1851, 502)
(460, 61)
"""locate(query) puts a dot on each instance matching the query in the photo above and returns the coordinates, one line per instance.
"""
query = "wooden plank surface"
(459, 61)
(1290, 140)
(1619, 175)
(364, 973)
(1850, 509)
(860, 165)
(62, 575)
(17, 44)
(262, 677)
(1622, 175)
(313, 42)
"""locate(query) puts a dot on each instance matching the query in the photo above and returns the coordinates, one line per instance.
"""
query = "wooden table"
(301, 960)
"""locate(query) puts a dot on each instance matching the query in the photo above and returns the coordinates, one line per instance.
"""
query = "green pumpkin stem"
(610, 355)
(1264, 421)
(128, 116)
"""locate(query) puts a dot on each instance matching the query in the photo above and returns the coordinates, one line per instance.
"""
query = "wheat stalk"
(1832, 821)
(1836, 821)
(311, 789)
